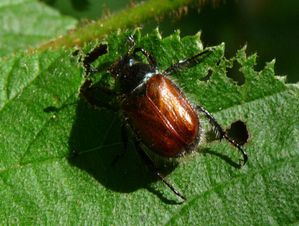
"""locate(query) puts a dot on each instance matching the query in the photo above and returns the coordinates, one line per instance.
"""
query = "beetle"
(154, 108)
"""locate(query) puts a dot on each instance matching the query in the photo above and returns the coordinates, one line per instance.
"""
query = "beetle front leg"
(90, 57)
(150, 58)
(94, 95)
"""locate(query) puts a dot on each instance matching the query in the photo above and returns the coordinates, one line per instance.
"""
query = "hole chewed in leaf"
(238, 131)
(235, 74)
(208, 76)
(51, 109)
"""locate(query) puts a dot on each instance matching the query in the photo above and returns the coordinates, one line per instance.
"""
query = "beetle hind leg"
(222, 134)
(151, 166)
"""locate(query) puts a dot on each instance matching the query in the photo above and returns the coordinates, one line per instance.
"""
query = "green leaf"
(42, 120)
(26, 23)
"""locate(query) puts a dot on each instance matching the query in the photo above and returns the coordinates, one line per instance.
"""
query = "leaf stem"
(123, 19)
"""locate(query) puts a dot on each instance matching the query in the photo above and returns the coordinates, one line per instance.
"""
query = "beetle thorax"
(131, 74)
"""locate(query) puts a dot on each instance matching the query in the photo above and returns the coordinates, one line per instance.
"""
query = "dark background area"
(268, 27)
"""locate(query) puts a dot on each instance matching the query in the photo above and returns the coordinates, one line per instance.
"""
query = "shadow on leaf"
(224, 157)
(96, 140)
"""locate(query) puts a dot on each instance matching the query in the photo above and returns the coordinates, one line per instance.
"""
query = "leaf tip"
(158, 33)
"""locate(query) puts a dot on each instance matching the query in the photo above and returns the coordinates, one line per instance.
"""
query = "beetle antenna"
(223, 134)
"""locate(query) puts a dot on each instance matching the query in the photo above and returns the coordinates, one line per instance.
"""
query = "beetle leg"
(90, 57)
(91, 91)
(190, 62)
(91, 94)
(220, 131)
(124, 137)
(151, 166)
(150, 58)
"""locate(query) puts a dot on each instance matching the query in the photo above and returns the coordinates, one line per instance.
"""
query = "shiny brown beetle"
(154, 108)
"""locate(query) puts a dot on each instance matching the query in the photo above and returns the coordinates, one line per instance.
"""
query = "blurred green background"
(267, 27)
